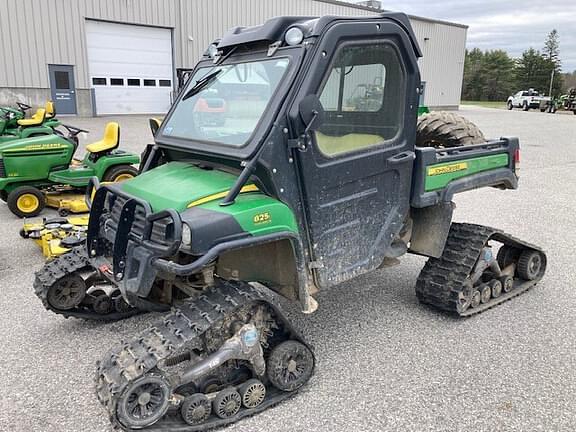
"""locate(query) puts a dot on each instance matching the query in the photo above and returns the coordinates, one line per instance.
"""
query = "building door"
(130, 67)
(63, 88)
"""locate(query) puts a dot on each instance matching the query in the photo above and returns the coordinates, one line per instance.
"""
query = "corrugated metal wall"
(35, 33)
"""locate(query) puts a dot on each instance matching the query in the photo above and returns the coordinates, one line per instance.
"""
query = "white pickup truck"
(526, 99)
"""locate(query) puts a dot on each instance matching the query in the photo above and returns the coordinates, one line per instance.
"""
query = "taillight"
(516, 160)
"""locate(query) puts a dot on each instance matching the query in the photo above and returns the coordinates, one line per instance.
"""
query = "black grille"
(161, 229)
(2, 169)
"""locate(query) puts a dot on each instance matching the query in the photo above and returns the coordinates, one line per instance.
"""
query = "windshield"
(224, 104)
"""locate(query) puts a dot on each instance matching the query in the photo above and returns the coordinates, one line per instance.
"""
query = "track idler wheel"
(290, 365)
(529, 265)
(253, 393)
(227, 403)
(485, 293)
(476, 299)
(196, 409)
(67, 292)
(496, 288)
(144, 402)
(507, 283)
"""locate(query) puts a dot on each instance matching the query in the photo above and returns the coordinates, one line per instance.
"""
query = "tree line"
(493, 75)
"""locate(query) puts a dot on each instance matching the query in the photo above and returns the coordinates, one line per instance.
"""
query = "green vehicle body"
(45, 160)
(10, 130)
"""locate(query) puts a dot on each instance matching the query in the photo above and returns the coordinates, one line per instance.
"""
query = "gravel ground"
(385, 363)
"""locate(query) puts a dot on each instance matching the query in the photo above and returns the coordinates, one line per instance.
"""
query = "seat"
(110, 141)
(36, 120)
(50, 110)
(333, 145)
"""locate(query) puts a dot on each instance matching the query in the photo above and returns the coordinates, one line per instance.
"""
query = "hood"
(179, 185)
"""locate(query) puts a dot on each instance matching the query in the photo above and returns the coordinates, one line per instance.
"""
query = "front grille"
(2, 169)
(161, 229)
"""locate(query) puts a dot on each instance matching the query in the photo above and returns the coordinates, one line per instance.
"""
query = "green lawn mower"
(14, 125)
(41, 171)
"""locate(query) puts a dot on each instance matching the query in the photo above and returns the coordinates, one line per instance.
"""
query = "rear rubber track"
(443, 279)
(186, 325)
(74, 262)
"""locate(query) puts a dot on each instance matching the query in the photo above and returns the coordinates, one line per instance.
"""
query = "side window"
(363, 98)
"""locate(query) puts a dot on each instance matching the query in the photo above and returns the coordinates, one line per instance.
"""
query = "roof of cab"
(274, 29)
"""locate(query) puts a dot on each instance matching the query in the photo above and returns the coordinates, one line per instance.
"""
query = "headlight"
(294, 36)
(186, 235)
(212, 50)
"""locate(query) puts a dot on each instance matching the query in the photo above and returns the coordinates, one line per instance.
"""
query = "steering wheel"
(74, 131)
(23, 107)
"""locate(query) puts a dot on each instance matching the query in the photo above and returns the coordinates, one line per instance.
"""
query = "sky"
(511, 25)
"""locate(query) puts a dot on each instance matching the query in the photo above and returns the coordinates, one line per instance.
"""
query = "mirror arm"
(249, 168)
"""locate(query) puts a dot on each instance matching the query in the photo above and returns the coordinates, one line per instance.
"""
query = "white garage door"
(130, 67)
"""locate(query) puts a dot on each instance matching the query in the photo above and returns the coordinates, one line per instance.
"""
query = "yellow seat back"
(36, 120)
(110, 140)
(333, 145)
(50, 110)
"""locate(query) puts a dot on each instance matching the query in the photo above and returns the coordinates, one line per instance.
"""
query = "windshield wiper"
(201, 83)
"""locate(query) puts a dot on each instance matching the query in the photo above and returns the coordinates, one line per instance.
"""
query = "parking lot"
(384, 362)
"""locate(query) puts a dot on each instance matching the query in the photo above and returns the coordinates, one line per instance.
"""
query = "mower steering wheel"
(73, 131)
(23, 107)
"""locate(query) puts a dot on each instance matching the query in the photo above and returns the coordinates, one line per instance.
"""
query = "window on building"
(363, 98)
(133, 82)
(99, 81)
(62, 80)
(165, 83)
(149, 83)
(117, 81)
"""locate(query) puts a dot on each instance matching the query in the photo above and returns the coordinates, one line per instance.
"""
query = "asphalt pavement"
(384, 362)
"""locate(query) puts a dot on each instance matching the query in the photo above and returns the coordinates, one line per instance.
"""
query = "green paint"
(473, 166)
(423, 109)
(258, 214)
(177, 184)
(35, 162)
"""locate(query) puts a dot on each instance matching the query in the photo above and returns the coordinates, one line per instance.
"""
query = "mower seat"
(36, 120)
(110, 141)
(50, 110)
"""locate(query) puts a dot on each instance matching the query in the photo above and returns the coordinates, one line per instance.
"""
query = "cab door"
(356, 171)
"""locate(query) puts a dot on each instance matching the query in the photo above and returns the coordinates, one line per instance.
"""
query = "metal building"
(120, 56)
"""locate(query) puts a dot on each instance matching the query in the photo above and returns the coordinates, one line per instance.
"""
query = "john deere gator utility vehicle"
(299, 187)
(14, 125)
(40, 171)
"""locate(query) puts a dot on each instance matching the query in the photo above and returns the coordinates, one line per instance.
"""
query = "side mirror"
(311, 112)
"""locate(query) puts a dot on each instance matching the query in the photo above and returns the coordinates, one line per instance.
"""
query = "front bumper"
(125, 237)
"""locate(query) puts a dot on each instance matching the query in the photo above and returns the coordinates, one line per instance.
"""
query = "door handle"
(401, 158)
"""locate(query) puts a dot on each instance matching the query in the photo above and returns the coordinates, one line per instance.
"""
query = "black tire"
(116, 171)
(19, 192)
(443, 129)
(574, 112)
(510, 105)
(542, 109)
(529, 265)
(525, 106)
(290, 365)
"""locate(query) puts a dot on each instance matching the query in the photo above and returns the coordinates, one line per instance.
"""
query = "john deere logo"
(262, 218)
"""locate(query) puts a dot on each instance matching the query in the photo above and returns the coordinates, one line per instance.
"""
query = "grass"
(486, 104)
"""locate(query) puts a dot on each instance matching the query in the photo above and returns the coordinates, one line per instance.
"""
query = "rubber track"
(74, 261)
(442, 279)
(189, 321)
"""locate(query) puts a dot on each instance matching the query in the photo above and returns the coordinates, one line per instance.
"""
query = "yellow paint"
(214, 197)
(261, 218)
(27, 203)
(47, 146)
(75, 203)
(110, 140)
(123, 177)
(445, 169)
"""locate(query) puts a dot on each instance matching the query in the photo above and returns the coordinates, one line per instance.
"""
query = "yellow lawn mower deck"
(56, 236)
